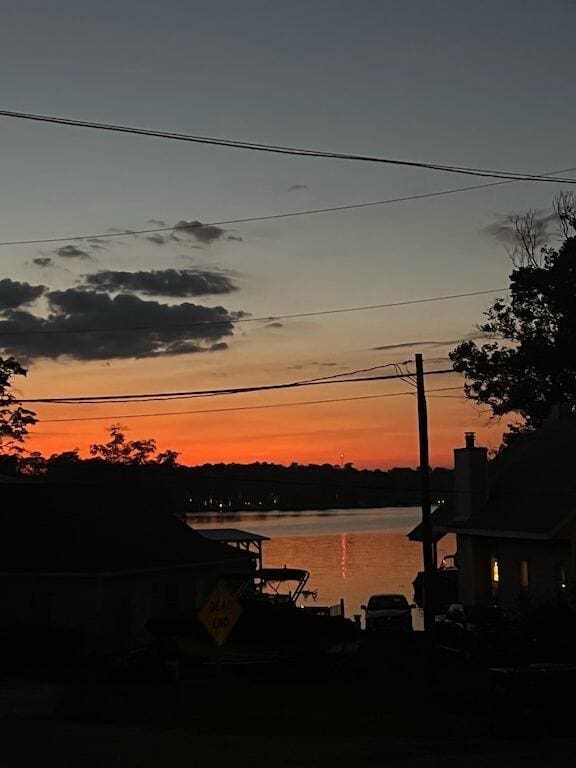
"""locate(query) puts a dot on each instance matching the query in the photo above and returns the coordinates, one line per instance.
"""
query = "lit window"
(524, 574)
(495, 571)
(494, 575)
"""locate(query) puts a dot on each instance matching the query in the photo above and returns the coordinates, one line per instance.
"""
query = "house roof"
(86, 530)
(532, 488)
(441, 517)
(235, 535)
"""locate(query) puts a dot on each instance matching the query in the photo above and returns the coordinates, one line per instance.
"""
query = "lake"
(350, 553)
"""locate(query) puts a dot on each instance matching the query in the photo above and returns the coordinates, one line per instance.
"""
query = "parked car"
(388, 613)
(480, 632)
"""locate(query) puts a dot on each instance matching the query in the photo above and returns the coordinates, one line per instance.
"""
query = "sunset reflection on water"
(350, 554)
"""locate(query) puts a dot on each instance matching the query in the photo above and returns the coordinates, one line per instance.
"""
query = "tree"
(14, 419)
(119, 450)
(528, 364)
(168, 458)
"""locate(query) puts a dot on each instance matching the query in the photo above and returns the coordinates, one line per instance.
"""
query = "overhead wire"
(231, 320)
(275, 148)
(191, 226)
(114, 417)
(184, 395)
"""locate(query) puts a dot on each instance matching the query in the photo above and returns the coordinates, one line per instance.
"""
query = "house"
(98, 563)
(514, 517)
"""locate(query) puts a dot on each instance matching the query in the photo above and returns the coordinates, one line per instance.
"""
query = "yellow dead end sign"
(220, 613)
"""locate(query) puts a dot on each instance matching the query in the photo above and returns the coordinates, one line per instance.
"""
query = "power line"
(237, 408)
(185, 395)
(276, 148)
(372, 368)
(233, 320)
(251, 219)
(274, 216)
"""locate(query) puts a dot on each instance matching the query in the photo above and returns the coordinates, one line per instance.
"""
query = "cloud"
(14, 294)
(520, 232)
(204, 233)
(43, 261)
(408, 345)
(218, 346)
(179, 283)
(137, 328)
(298, 187)
(157, 238)
(301, 366)
(97, 244)
(157, 222)
(73, 252)
(235, 238)
(430, 343)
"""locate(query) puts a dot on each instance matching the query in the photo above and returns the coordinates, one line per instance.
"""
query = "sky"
(483, 84)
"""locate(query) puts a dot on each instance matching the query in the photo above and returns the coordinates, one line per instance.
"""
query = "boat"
(272, 626)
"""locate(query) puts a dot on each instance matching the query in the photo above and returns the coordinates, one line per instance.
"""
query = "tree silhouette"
(14, 419)
(529, 365)
(119, 450)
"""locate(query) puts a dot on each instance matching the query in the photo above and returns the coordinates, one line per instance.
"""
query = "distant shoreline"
(215, 513)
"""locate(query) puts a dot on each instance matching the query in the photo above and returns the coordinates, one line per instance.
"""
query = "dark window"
(561, 582)
(172, 593)
(41, 606)
(524, 575)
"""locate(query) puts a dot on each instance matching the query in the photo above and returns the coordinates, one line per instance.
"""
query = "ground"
(386, 708)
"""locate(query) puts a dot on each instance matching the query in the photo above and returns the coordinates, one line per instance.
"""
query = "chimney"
(470, 478)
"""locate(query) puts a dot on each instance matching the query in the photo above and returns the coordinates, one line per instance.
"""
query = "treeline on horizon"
(221, 487)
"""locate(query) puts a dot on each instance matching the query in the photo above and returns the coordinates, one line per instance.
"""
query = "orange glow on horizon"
(374, 433)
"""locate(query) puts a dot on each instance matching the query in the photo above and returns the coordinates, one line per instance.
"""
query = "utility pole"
(427, 544)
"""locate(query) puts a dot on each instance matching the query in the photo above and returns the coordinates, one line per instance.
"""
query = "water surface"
(350, 553)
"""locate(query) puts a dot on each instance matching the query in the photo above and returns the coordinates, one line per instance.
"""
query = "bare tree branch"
(564, 205)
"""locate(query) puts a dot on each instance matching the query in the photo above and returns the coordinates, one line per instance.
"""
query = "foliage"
(119, 450)
(14, 419)
(528, 362)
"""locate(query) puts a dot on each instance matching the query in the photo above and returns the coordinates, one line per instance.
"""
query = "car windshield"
(382, 602)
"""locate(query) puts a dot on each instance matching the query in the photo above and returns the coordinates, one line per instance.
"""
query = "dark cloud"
(97, 244)
(219, 346)
(14, 294)
(157, 222)
(408, 345)
(73, 252)
(180, 283)
(157, 238)
(301, 366)
(523, 235)
(275, 325)
(298, 187)
(138, 328)
(204, 233)
(43, 261)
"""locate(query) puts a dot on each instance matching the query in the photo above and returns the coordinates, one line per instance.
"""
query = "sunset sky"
(484, 84)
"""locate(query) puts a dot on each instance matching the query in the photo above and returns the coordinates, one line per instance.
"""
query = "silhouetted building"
(99, 563)
(514, 517)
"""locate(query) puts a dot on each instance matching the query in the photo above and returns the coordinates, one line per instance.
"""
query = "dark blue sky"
(471, 83)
